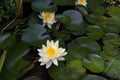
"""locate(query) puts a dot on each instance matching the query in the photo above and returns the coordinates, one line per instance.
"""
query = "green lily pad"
(15, 66)
(111, 39)
(81, 47)
(113, 10)
(43, 6)
(95, 63)
(91, 18)
(94, 3)
(109, 52)
(93, 77)
(82, 9)
(63, 19)
(16, 71)
(15, 54)
(52, 8)
(7, 40)
(34, 19)
(88, 44)
(63, 34)
(63, 2)
(33, 78)
(73, 71)
(95, 32)
(76, 25)
(34, 35)
(76, 18)
(112, 24)
(99, 11)
(112, 68)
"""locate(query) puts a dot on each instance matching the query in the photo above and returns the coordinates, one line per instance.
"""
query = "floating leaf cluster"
(81, 37)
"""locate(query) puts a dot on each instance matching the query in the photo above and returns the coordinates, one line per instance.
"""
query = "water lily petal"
(55, 62)
(61, 58)
(48, 64)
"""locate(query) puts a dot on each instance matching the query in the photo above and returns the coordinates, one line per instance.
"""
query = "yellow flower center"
(47, 16)
(82, 1)
(51, 52)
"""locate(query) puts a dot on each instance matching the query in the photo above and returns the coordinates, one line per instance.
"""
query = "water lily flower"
(51, 53)
(48, 18)
(81, 2)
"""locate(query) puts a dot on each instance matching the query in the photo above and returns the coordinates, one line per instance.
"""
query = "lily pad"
(73, 71)
(34, 35)
(95, 32)
(111, 39)
(15, 54)
(112, 68)
(7, 40)
(33, 78)
(76, 25)
(81, 47)
(63, 2)
(43, 6)
(95, 63)
(63, 19)
(93, 77)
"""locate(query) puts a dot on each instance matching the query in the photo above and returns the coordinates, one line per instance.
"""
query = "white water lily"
(51, 53)
(48, 18)
(81, 2)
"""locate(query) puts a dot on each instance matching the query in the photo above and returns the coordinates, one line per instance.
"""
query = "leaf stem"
(2, 59)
